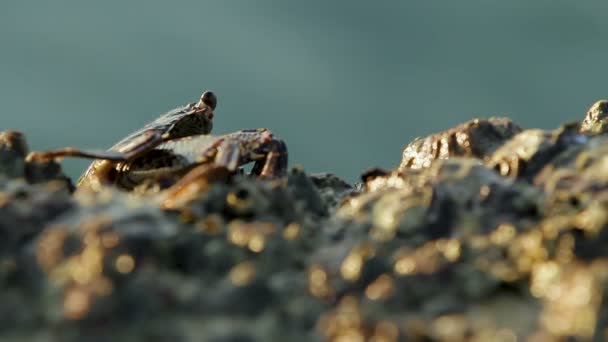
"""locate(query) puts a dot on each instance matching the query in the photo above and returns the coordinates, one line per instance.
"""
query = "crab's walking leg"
(228, 155)
(77, 153)
(130, 151)
(198, 180)
(274, 164)
(195, 182)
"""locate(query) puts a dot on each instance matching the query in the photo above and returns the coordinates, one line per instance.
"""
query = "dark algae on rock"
(485, 232)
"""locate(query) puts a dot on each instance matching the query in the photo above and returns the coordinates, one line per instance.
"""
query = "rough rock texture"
(501, 239)
(475, 138)
(595, 121)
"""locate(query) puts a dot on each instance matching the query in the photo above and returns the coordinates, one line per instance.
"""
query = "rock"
(13, 163)
(25, 209)
(529, 151)
(13, 149)
(596, 118)
(476, 138)
(332, 189)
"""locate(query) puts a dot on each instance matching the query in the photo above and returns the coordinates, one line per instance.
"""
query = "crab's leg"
(77, 153)
(198, 180)
(192, 184)
(274, 164)
(137, 147)
(228, 155)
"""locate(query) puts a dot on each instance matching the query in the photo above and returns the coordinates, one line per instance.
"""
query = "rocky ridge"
(485, 232)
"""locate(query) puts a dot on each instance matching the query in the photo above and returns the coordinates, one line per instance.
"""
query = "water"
(346, 83)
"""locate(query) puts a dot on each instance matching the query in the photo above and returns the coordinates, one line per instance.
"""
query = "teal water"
(346, 83)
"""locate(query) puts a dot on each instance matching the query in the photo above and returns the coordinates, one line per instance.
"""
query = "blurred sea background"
(347, 84)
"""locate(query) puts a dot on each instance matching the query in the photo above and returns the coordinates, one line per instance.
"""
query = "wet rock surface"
(503, 236)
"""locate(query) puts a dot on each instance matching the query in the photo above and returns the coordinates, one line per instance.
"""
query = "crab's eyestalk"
(195, 119)
(209, 99)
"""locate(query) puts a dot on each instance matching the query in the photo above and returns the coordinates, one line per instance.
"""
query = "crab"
(176, 143)
(199, 160)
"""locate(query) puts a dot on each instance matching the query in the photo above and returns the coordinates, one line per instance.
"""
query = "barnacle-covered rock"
(477, 138)
(118, 259)
(401, 244)
(528, 152)
(25, 209)
(30, 194)
(13, 149)
(501, 244)
(13, 163)
(446, 194)
(577, 169)
(332, 189)
(596, 120)
(233, 258)
(539, 232)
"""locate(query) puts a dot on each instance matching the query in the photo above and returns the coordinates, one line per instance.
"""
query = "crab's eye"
(209, 99)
